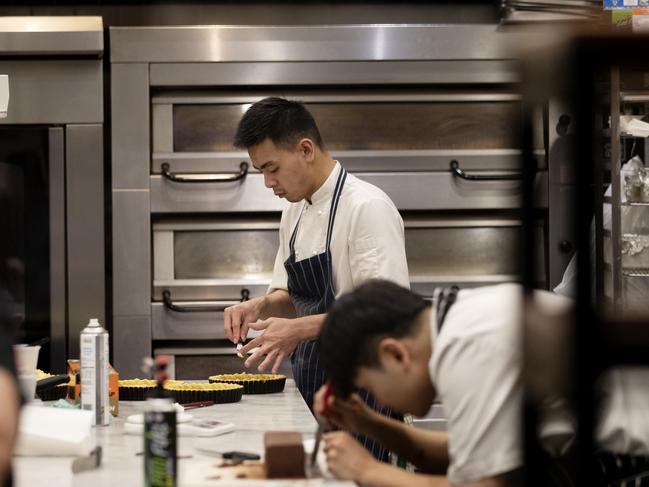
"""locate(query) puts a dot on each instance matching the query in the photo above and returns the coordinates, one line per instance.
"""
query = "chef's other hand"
(346, 458)
(351, 414)
(280, 338)
(237, 318)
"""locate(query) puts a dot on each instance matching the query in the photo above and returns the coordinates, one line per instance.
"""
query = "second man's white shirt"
(367, 241)
(476, 367)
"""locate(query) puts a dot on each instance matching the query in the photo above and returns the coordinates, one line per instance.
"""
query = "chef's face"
(288, 172)
(401, 382)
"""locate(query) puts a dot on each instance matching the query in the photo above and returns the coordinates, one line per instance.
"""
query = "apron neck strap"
(342, 176)
(444, 299)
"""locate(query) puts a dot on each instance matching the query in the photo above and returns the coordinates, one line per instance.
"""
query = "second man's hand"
(350, 414)
(278, 341)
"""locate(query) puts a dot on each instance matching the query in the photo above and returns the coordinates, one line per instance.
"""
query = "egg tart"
(253, 383)
(220, 393)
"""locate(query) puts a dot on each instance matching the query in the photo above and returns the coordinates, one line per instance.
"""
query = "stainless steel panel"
(365, 126)
(426, 286)
(409, 191)
(85, 228)
(333, 95)
(209, 289)
(336, 73)
(131, 343)
(360, 160)
(131, 253)
(170, 325)
(162, 116)
(163, 254)
(130, 126)
(54, 91)
(51, 35)
(59, 350)
(201, 362)
(247, 195)
(443, 191)
(311, 43)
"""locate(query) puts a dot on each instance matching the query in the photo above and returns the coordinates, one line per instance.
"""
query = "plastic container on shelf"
(635, 251)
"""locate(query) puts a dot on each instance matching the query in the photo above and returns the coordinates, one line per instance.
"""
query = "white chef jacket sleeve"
(479, 384)
(280, 278)
(377, 244)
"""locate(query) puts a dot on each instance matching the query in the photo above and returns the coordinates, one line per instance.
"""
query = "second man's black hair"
(357, 321)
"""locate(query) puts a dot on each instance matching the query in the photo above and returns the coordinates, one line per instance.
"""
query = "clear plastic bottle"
(94, 372)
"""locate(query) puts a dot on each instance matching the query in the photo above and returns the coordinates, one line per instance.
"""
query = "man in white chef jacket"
(464, 350)
(336, 233)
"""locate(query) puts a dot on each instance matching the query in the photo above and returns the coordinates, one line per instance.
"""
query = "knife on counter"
(323, 423)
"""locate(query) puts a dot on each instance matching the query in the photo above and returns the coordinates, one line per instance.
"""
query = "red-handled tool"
(323, 424)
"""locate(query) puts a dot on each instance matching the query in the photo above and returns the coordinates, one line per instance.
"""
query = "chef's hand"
(346, 458)
(237, 318)
(351, 414)
(280, 338)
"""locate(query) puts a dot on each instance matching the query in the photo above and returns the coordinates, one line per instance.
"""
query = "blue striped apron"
(310, 287)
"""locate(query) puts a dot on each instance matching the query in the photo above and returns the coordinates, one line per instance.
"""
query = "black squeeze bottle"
(160, 445)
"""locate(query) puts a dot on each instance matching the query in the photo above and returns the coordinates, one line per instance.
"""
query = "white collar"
(324, 192)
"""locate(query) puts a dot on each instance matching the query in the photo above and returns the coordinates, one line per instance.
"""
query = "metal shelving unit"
(593, 79)
(618, 270)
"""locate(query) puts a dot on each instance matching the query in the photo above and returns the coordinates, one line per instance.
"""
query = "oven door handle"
(458, 172)
(169, 304)
(205, 177)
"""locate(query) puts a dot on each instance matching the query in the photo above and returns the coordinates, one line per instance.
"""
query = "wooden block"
(284, 455)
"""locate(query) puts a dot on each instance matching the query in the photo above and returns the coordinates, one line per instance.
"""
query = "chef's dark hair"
(282, 121)
(356, 323)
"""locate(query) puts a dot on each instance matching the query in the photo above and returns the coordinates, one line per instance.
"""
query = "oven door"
(32, 237)
(424, 148)
(467, 250)
(201, 266)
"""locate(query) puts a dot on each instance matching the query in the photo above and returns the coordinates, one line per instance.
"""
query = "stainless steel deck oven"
(52, 263)
(429, 113)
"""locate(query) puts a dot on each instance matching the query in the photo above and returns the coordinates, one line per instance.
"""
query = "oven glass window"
(462, 251)
(232, 254)
(365, 126)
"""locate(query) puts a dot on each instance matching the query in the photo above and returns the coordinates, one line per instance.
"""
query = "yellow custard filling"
(246, 377)
(137, 383)
(186, 386)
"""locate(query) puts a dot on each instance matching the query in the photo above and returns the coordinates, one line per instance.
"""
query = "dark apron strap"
(340, 182)
(444, 300)
(622, 470)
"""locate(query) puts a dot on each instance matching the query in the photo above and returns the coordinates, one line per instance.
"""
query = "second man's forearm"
(427, 450)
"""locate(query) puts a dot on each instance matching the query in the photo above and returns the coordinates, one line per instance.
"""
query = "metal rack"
(603, 334)
(619, 271)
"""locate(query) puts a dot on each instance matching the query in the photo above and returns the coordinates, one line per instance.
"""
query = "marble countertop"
(122, 467)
